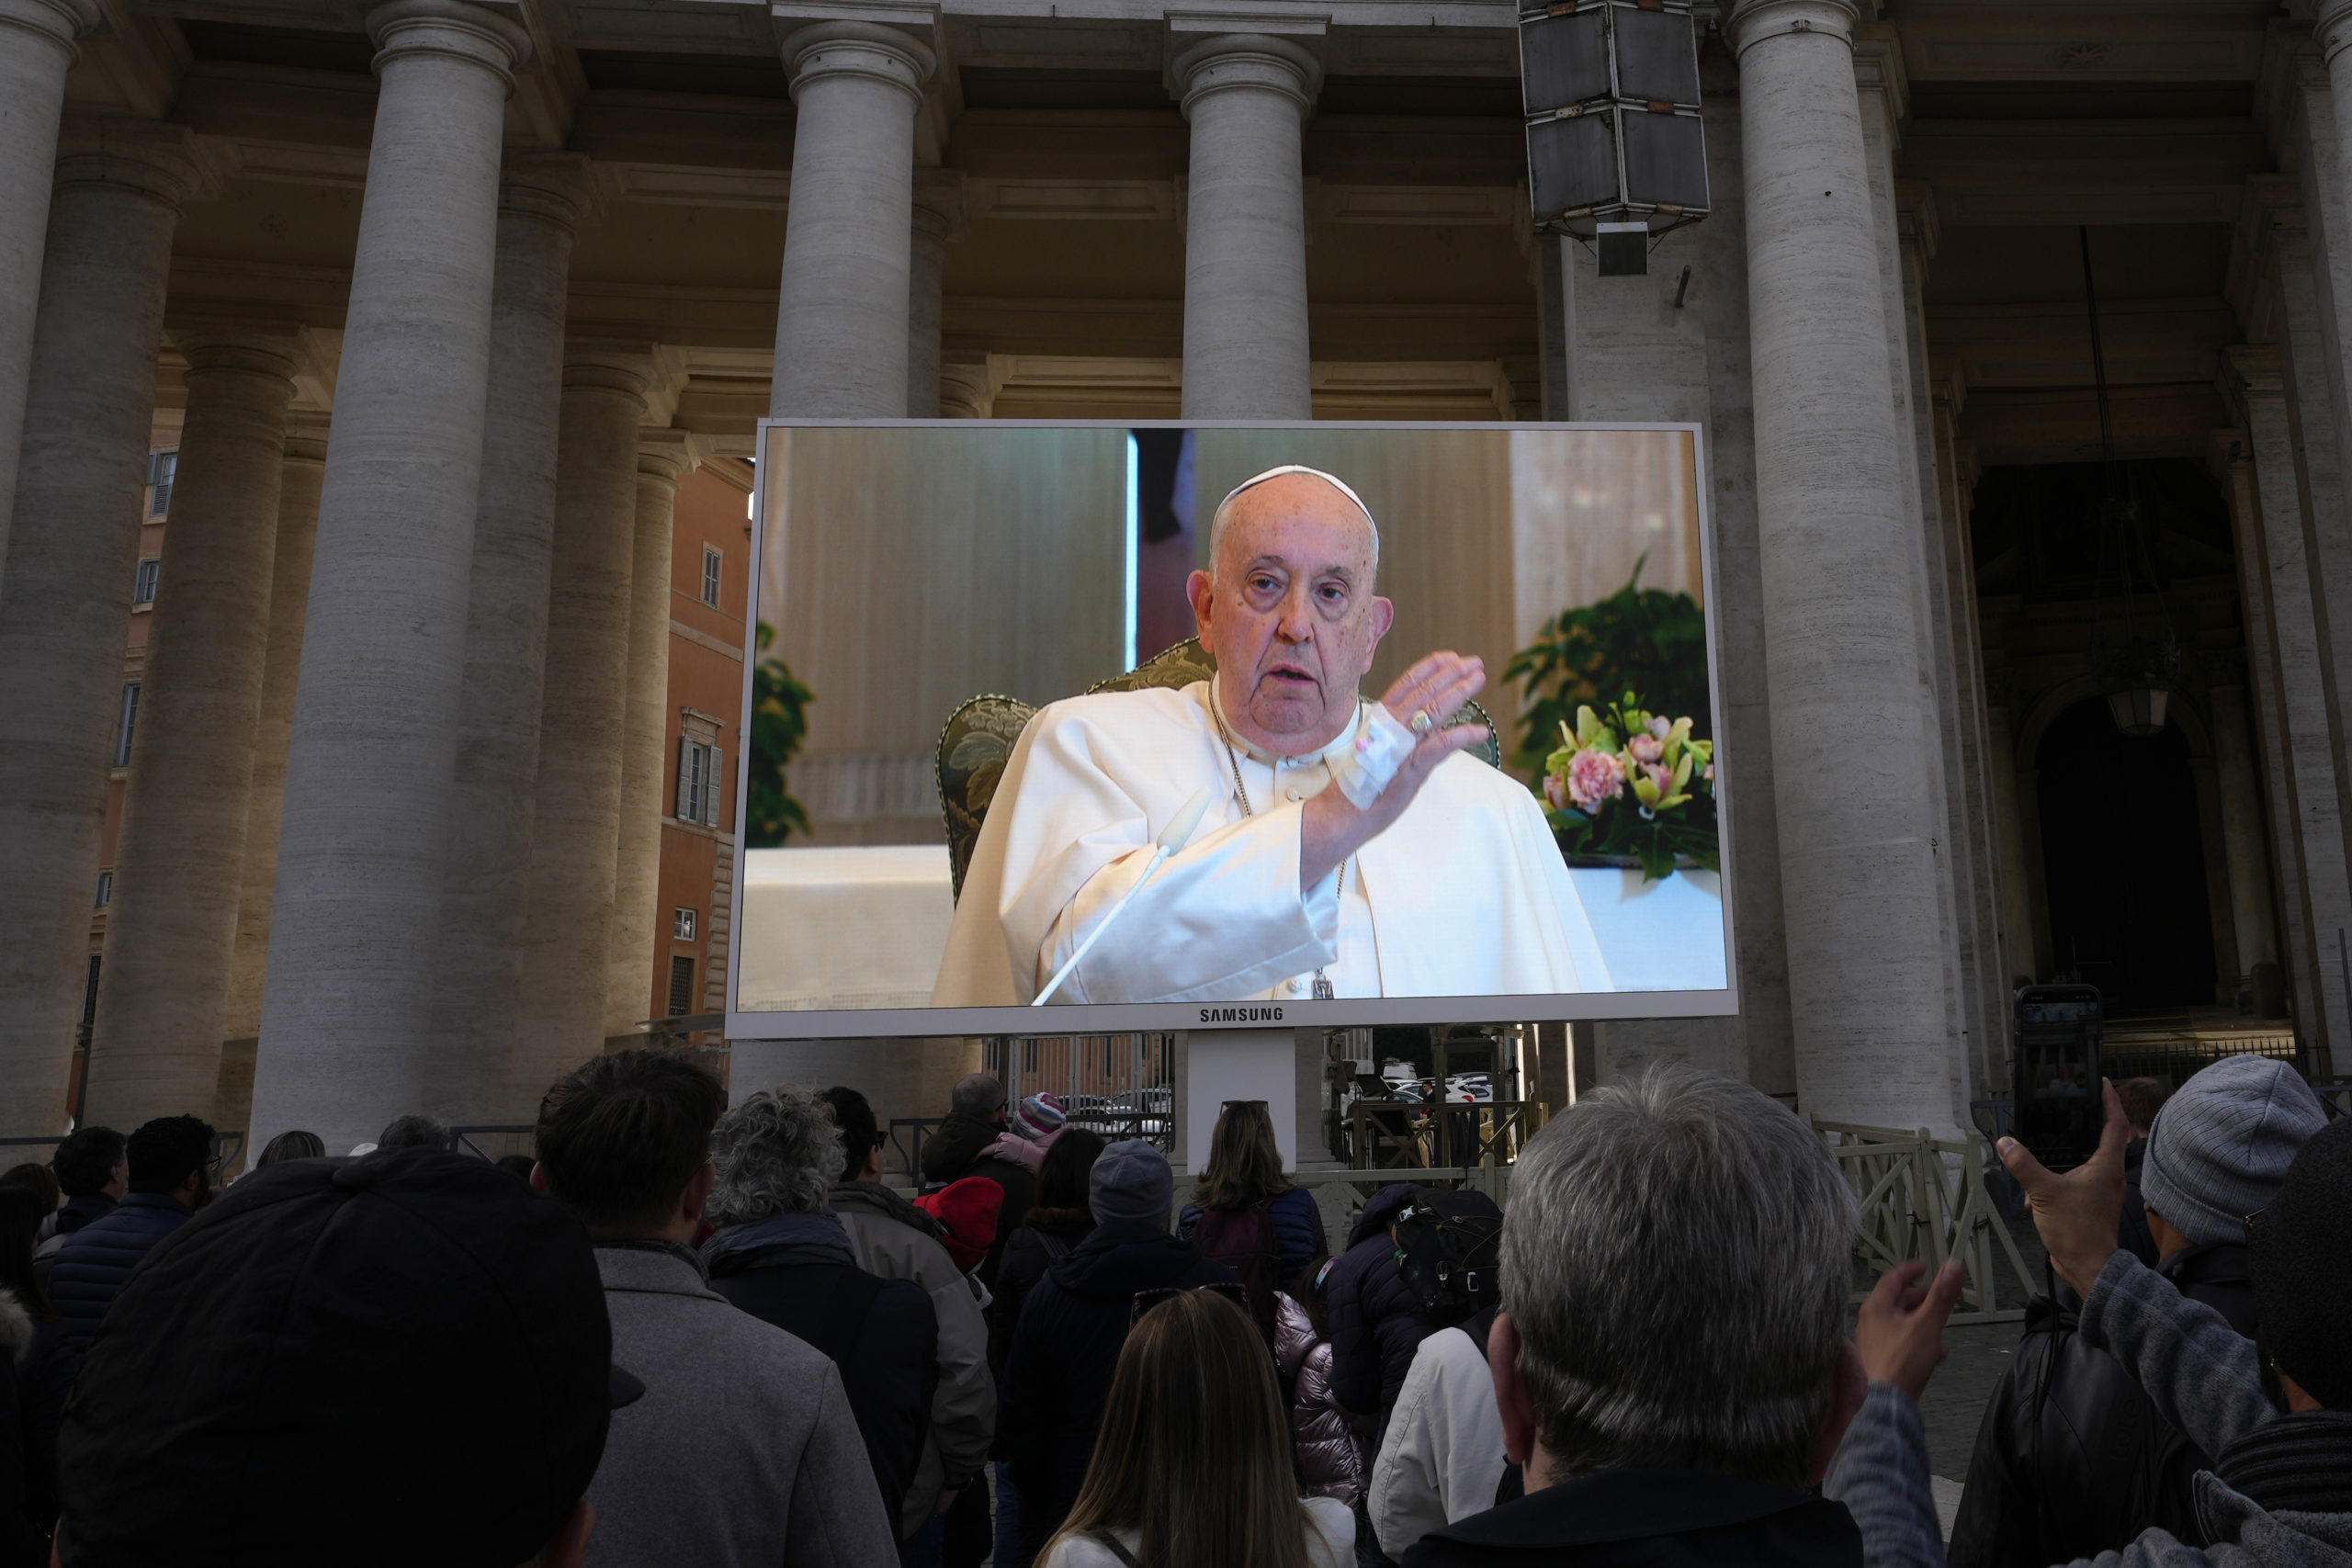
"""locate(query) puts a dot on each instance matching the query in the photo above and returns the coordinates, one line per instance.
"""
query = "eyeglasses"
(1158, 1295)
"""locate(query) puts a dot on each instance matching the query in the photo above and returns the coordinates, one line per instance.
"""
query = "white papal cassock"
(1465, 894)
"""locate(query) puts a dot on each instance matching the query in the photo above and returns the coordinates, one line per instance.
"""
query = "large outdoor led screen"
(1183, 726)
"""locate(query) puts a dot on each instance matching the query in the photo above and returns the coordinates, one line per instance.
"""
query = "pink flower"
(1593, 778)
(1644, 748)
(1556, 792)
(1661, 727)
(1659, 776)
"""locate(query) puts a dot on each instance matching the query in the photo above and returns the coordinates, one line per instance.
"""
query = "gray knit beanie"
(1131, 1181)
(2222, 1145)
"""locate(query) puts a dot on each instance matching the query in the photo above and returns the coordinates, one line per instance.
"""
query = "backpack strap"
(1112, 1544)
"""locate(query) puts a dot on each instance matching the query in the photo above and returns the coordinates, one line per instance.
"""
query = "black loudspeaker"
(1611, 93)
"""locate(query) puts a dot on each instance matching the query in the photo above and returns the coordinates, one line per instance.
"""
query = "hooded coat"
(1067, 1346)
(1375, 1318)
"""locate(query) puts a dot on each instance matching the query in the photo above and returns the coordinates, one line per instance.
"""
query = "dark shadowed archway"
(2124, 861)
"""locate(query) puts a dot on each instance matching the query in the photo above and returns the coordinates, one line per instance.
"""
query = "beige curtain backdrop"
(908, 570)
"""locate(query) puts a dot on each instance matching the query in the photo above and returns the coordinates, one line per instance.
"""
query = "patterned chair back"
(979, 735)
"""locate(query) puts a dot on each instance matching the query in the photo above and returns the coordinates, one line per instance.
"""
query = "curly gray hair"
(775, 1153)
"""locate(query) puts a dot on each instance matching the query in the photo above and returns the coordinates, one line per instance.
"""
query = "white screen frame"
(1099, 1017)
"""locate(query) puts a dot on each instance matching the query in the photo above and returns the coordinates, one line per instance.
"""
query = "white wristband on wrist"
(1363, 768)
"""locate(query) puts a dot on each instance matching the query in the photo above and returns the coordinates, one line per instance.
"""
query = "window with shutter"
(685, 807)
(682, 985)
(106, 890)
(713, 563)
(125, 721)
(142, 586)
(710, 788)
(90, 993)
(161, 468)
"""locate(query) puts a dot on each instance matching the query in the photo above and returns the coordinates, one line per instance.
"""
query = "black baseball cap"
(396, 1358)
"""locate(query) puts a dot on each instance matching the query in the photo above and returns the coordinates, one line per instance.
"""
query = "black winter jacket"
(1064, 1353)
(1043, 1239)
(95, 1261)
(1649, 1518)
(790, 1270)
(952, 1153)
(2072, 1459)
(1375, 1318)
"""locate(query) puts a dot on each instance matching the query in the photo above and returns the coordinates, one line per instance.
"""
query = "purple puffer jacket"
(1325, 1438)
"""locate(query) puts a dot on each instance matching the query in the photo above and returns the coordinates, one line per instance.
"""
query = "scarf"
(2296, 1464)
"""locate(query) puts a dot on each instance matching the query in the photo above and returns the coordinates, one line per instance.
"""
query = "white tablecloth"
(865, 926)
(857, 927)
(1656, 936)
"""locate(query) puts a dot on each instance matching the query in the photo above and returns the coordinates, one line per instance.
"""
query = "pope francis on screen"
(1354, 851)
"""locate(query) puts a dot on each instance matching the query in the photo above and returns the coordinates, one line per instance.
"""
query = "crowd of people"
(684, 1334)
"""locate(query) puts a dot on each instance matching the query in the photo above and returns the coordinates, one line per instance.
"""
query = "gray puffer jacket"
(1330, 1462)
(2256, 1504)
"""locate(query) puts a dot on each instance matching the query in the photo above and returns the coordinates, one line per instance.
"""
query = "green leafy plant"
(779, 724)
(1642, 639)
(1625, 781)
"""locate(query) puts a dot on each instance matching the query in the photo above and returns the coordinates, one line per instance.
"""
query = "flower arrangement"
(1627, 782)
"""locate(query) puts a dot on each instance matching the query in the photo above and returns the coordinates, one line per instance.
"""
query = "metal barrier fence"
(2174, 1055)
(1386, 1134)
(908, 1133)
(1924, 1197)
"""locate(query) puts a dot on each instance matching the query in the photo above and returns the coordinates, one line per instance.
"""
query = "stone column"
(2296, 635)
(841, 326)
(369, 771)
(1245, 227)
(65, 608)
(289, 597)
(36, 49)
(2242, 836)
(1858, 876)
(2008, 824)
(179, 861)
(663, 457)
(567, 941)
(2290, 905)
(543, 197)
(938, 223)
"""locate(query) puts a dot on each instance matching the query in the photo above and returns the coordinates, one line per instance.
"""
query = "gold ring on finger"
(1422, 723)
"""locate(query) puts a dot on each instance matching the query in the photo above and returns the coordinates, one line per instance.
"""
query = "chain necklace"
(1323, 990)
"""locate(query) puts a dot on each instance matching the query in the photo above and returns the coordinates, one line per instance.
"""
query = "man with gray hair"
(1671, 1363)
(1333, 814)
(781, 1255)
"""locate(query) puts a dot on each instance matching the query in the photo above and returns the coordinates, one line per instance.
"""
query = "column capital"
(968, 384)
(1261, 61)
(260, 348)
(451, 27)
(167, 163)
(1915, 219)
(609, 365)
(1752, 22)
(306, 437)
(57, 22)
(1878, 67)
(858, 48)
(665, 452)
(2332, 28)
(2255, 368)
(555, 188)
(939, 206)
